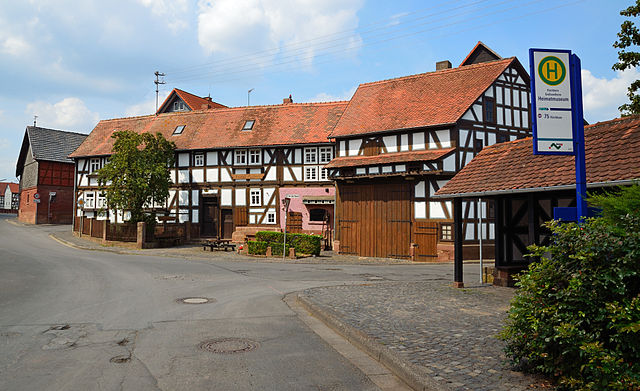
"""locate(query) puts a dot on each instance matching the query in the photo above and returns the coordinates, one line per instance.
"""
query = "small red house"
(46, 175)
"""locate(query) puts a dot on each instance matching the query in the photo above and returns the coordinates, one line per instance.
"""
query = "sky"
(73, 63)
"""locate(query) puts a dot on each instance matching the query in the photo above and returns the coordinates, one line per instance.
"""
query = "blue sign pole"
(579, 147)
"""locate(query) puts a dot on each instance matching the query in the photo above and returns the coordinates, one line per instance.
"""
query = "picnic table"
(218, 244)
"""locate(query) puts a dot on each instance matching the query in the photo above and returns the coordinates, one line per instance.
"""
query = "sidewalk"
(433, 336)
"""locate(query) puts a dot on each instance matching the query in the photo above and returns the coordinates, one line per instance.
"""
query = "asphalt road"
(74, 319)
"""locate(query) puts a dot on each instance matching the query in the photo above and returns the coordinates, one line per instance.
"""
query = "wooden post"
(105, 227)
(141, 234)
(458, 238)
(91, 227)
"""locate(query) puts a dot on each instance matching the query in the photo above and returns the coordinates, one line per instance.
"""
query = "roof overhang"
(490, 193)
(318, 200)
(389, 158)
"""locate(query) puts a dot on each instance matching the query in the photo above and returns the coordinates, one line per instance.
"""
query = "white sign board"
(551, 98)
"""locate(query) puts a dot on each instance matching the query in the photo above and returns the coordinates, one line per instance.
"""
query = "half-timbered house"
(9, 197)
(525, 188)
(46, 175)
(234, 167)
(400, 140)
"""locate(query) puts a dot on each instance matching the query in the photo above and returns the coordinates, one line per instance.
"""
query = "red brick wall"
(27, 209)
(61, 210)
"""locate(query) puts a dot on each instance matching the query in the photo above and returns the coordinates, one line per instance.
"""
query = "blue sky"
(73, 63)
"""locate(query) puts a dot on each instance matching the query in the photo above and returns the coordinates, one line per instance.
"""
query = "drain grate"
(229, 345)
(196, 300)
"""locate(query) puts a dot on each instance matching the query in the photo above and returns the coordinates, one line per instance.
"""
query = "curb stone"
(411, 374)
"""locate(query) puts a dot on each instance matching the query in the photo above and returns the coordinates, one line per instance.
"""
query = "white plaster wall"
(271, 174)
(183, 160)
(198, 175)
(195, 197)
(241, 197)
(183, 198)
(354, 147)
(404, 142)
(183, 176)
(224, 175)
(267, 193)
(226, 197)
(420, 209)
(418, 141)
(212, 158)
(212, 175)
(391, 142)
(420, 189)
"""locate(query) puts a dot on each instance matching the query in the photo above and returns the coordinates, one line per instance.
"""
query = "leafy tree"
(627, 37)
(137, 172)
(576, 314)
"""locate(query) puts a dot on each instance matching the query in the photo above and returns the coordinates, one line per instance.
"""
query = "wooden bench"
(218, 244)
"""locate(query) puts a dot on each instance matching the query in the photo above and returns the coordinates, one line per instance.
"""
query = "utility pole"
(249, 96)
(158, 82)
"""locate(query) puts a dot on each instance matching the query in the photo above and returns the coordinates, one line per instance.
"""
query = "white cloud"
(15, 46)
(324, 97)
(173, 11)
(68, 114)
(246, 26)
(602, 96)
(147, 107)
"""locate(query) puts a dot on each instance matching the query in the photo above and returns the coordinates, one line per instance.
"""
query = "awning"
(318, 200)
(386, 158)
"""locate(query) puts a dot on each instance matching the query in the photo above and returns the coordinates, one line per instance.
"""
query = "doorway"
(227, 223)
(210, 217)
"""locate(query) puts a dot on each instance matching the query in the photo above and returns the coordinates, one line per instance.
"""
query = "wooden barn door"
(426, 239)
(294, 222)
(375, 219)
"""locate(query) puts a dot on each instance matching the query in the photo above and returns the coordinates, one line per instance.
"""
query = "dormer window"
(248, 125)
(179, 106)
(178, 130)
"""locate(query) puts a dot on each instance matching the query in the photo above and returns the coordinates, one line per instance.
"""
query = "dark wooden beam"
(499, 227)
(458, 239)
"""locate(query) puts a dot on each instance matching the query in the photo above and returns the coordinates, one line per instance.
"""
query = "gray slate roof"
(53, 145)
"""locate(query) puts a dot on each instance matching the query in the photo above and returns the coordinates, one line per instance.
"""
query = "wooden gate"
(426, 240)
(294, 222)
(374, 220)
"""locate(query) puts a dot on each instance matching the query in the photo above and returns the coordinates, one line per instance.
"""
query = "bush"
(303, 243)
(576, 314)
(257, 247)
(276, 248)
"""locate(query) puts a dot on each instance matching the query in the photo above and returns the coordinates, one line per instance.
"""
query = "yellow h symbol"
(552, 68)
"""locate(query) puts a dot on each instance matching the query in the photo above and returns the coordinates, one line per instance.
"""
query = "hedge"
(257, 247)
(303, 243)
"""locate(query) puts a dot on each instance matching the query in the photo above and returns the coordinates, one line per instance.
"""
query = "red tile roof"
(294, 123)
(428, 99)
(15, 188)
(397, 157)
(612, 154)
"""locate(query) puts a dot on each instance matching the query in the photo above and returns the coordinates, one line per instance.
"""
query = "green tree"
(628, 38)
(137, 173)
(576, 314)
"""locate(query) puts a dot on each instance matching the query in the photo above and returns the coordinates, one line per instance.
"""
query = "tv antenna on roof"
(157, 82)
(35, 117)
(249, 95)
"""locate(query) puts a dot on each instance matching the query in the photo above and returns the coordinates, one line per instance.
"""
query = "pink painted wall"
(296, 205)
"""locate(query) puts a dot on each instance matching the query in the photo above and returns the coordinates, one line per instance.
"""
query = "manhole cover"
(229, 345)
(196, 300)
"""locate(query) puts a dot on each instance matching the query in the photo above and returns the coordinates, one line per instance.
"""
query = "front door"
(210, 213)
(227, 223)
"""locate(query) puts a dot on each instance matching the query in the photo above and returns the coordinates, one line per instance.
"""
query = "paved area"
(443, 334)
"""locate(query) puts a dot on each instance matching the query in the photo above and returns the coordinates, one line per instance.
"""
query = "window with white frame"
(324, 174)
(198, 159)
(94, 165)
(326, 154)
(255, 197)
(271, 218)
(241, 157)
(102, 201)
(254, 156)
(310, 155)
(310, 173)
(89, 200)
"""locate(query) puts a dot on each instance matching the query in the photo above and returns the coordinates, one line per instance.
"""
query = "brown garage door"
(374, 220)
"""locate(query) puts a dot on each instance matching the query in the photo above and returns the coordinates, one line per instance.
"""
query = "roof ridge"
(441, 71)
(620, 119)
(333, 102)
(57, 130)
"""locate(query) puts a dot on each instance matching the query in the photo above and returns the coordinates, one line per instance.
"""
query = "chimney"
(287, 100)
(440, 65)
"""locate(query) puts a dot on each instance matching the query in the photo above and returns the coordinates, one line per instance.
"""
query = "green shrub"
(257, 247)
(303, 243)
(276, 248)
(576, 314)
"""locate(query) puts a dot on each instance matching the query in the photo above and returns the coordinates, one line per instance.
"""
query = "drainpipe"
(480, 210)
